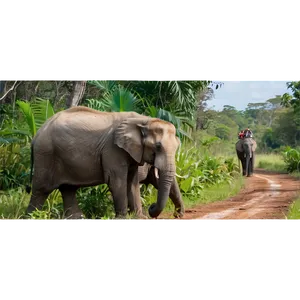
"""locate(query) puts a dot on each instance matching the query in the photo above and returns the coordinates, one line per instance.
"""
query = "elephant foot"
(121, 219)
(77, 215)
(142, 216)
(249, 175)
(178, 215)
(25, 216)
(139, 216)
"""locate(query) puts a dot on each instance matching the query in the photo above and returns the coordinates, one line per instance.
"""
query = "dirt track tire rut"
(266, 195)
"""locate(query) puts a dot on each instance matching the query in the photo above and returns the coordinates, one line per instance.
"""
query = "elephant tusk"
(156, 173)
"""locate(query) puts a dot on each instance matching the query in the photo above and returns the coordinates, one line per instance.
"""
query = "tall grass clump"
(96, 202)
(13, 203)
(292, 160)
(270, 162)
(294, 210)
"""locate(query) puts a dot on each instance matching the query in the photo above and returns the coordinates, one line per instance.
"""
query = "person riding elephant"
(245, 149)
(81, 147)
(148, 174)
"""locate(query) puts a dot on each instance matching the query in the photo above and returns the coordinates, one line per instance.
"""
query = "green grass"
(294, 210)
(296, 174)
(270, 162)
(13, 203)
(216, 192)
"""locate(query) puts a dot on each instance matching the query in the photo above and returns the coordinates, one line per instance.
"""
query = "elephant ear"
(254, 145)
(129, 136)
(239, 146)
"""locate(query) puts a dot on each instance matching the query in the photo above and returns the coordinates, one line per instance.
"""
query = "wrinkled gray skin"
(245, 150)
(147, 176)
(81, 147)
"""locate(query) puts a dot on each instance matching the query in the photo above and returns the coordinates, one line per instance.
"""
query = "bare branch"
(11, 89)
(36, 87)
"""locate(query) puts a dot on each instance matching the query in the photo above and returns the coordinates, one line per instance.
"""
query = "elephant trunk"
(247, 164)
(166, 179)
(248, 154)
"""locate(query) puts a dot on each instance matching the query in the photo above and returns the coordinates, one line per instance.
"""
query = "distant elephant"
(147, 175)
(245, 149)
(81, 147)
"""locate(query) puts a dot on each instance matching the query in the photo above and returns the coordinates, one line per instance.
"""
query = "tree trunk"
(76, 94)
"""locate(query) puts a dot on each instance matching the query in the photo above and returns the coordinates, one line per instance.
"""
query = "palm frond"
(121, 99)
(151, 111)
(42, 110)
(182, 133)
(29, 116)
(10, 140)
(101, 105)
(181, 90)
(168, 116)
(106, 86)
(8, 131)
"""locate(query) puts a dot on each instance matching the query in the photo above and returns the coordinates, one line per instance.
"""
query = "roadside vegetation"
(207, 167)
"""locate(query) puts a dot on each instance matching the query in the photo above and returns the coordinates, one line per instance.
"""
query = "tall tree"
(203, 117)
(77, 93)
(293, 100)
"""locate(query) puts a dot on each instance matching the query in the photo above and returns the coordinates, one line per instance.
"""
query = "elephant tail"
(28, 187)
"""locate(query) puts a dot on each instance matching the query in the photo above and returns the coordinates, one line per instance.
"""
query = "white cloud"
(253, 76)
(240, 93)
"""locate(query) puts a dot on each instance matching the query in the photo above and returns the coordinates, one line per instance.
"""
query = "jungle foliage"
(205, 159)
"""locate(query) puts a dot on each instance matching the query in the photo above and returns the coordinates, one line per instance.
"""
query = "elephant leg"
(133, 193)
(244, 167)
(118, 188)
(37, 200)
(251, 163)
(71, 208)
(242, 160)
(248, 163)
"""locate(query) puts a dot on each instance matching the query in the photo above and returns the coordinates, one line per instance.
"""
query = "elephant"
(147, 175)
(245, 150)
(81, 147)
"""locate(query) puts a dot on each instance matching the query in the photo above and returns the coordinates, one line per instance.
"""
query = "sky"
(240, 93)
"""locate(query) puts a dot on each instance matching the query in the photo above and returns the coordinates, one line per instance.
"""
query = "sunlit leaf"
(28, 113)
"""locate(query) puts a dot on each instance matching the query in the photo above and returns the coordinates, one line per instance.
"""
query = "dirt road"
(266, 195)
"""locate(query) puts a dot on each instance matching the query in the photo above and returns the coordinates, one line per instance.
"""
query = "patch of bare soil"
(266, 195)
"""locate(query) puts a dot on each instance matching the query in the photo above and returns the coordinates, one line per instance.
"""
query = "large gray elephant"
(148, 175)
(81, 147)
(245, 150)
